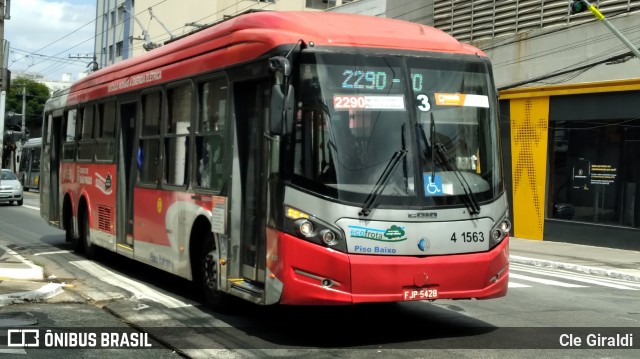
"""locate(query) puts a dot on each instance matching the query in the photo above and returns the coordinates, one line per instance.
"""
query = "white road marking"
(31, 272)
(517, 285)
(575, 278)
(542, 270)
(54, 252)
(140, 290)
(31, 207)
(544, 281)
(13, 351)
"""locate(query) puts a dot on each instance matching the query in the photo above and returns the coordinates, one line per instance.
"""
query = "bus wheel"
(208, 276)
(85, 235)
(68, 233)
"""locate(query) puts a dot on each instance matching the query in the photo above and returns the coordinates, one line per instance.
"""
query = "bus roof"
(253, 34)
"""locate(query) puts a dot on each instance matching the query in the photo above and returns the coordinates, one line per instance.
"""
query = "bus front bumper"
(315, 275)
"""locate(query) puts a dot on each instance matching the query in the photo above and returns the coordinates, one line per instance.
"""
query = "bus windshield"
(436, 116)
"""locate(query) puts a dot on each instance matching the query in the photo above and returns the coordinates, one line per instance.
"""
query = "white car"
(10, 188)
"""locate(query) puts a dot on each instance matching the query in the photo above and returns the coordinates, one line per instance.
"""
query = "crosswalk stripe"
(13, 351)
(140, 290)
(541, 270)
(544, 281)
(575, 278)
(518, 285)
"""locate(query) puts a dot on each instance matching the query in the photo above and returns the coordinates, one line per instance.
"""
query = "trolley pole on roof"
(578, 6)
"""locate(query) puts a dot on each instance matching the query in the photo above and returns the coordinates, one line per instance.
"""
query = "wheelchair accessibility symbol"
(432, 187)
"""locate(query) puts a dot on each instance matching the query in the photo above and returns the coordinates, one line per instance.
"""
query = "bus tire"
(85, 235)
(68, 231)
(207, 276)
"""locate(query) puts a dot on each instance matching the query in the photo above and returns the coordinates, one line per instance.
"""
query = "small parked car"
(10, 188)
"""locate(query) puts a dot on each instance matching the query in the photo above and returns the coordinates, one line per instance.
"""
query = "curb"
(616, 274)
(46, 291)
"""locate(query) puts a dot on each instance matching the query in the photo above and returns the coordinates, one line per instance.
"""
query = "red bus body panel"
(84, 181)
(371, 278)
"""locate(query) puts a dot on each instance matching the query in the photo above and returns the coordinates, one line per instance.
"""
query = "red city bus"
(304, 158)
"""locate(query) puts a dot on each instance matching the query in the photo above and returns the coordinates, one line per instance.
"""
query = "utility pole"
(3, 93)
(24, 111)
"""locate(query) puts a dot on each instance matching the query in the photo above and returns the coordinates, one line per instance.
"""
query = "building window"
(595, 175)
(121, 14)
(119, 49)
(113, 18)
(320, 4)
(111, 53)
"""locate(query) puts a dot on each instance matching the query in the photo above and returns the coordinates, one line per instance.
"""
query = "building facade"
(569, 91)
(128, 28)
(114, 31)
(570, 109)
(569, 94)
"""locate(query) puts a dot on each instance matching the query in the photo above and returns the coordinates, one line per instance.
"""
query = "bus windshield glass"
(422, 128)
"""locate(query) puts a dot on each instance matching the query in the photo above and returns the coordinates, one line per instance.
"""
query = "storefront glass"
(595, 172)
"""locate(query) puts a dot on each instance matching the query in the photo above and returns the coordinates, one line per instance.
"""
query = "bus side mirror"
(281, 113)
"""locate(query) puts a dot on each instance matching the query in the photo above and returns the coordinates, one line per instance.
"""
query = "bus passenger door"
(50, 187)
(125, 167)
(252, 108)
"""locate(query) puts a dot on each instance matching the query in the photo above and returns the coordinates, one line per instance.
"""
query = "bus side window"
(85, 134)
(69, 129)
(24, 160)
(35, 160)
(176, 145)
(106, 131)
(150, 137)
(210, 135)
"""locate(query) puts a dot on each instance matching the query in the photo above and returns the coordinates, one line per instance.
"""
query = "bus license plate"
(419, 293)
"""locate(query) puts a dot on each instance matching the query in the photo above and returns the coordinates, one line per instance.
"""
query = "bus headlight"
(328, 237)
(505, 225)
(313, 229)
(305, 227)
(500, 230)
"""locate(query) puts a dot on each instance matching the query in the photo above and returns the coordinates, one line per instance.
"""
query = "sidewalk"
(605, 262)
(21, 280)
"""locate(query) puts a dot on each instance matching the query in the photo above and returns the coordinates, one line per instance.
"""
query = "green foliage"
(37, 95)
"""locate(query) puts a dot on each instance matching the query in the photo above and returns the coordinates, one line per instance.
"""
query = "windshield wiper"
(405, 170)
(382, 182)
(439, 150)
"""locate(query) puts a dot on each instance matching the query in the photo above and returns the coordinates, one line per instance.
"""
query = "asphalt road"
(545, 309)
